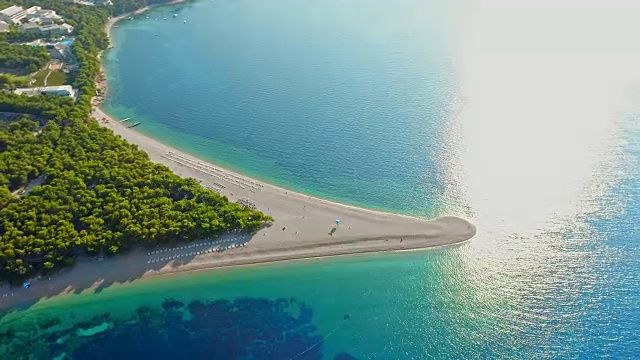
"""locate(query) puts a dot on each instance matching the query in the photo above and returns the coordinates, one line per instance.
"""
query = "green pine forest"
(94, 193)
(29, 58)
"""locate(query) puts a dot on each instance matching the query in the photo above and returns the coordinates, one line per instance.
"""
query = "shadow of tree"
(89, 274)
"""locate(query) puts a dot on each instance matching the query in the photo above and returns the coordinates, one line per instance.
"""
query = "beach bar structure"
(63, 90)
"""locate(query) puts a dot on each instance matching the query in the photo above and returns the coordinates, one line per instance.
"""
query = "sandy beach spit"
(304, 227)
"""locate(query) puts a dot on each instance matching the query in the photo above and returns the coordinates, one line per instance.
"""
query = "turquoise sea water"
(494, 110)
(290, 92)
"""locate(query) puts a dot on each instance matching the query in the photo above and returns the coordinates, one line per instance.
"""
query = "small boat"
(185, 21)
(127, 119)
(175, 16)
(133, 125)
(115, 26)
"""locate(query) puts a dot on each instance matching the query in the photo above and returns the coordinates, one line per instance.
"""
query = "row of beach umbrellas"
(205, 243)
(233, 246)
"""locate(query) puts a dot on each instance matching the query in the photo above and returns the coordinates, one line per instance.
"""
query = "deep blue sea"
(519, 115)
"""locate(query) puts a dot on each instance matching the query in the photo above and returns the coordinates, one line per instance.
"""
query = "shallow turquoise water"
(472, 108)
(296, 100)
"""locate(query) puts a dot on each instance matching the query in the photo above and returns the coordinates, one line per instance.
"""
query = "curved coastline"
(303, 214)
(305, 227)
(282, 203)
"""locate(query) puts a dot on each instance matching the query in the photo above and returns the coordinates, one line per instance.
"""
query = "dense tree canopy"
(8, 81)
(94, 192)
(23, 155)
(13, 35)
(46, 106)
(99, 194)
(22, 57)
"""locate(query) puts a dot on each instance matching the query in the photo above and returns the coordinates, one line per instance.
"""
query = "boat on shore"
(134, 125)
(123, 120)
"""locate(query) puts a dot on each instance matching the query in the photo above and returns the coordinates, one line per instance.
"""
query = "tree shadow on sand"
(95, 274)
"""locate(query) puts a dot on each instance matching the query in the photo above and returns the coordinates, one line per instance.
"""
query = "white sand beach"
(307, 220)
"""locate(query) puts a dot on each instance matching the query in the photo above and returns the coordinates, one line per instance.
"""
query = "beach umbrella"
(338, 222)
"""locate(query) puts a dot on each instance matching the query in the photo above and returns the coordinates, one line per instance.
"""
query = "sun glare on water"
(543, 84)
(545, 88)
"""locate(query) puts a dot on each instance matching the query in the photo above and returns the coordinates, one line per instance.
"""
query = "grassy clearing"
(39, 76)
(57, 77)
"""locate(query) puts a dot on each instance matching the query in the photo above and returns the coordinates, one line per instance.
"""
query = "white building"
(53, 29)
(63, 90)
(13, 14)
(29, 27)
(63, 29)
(44, 17)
